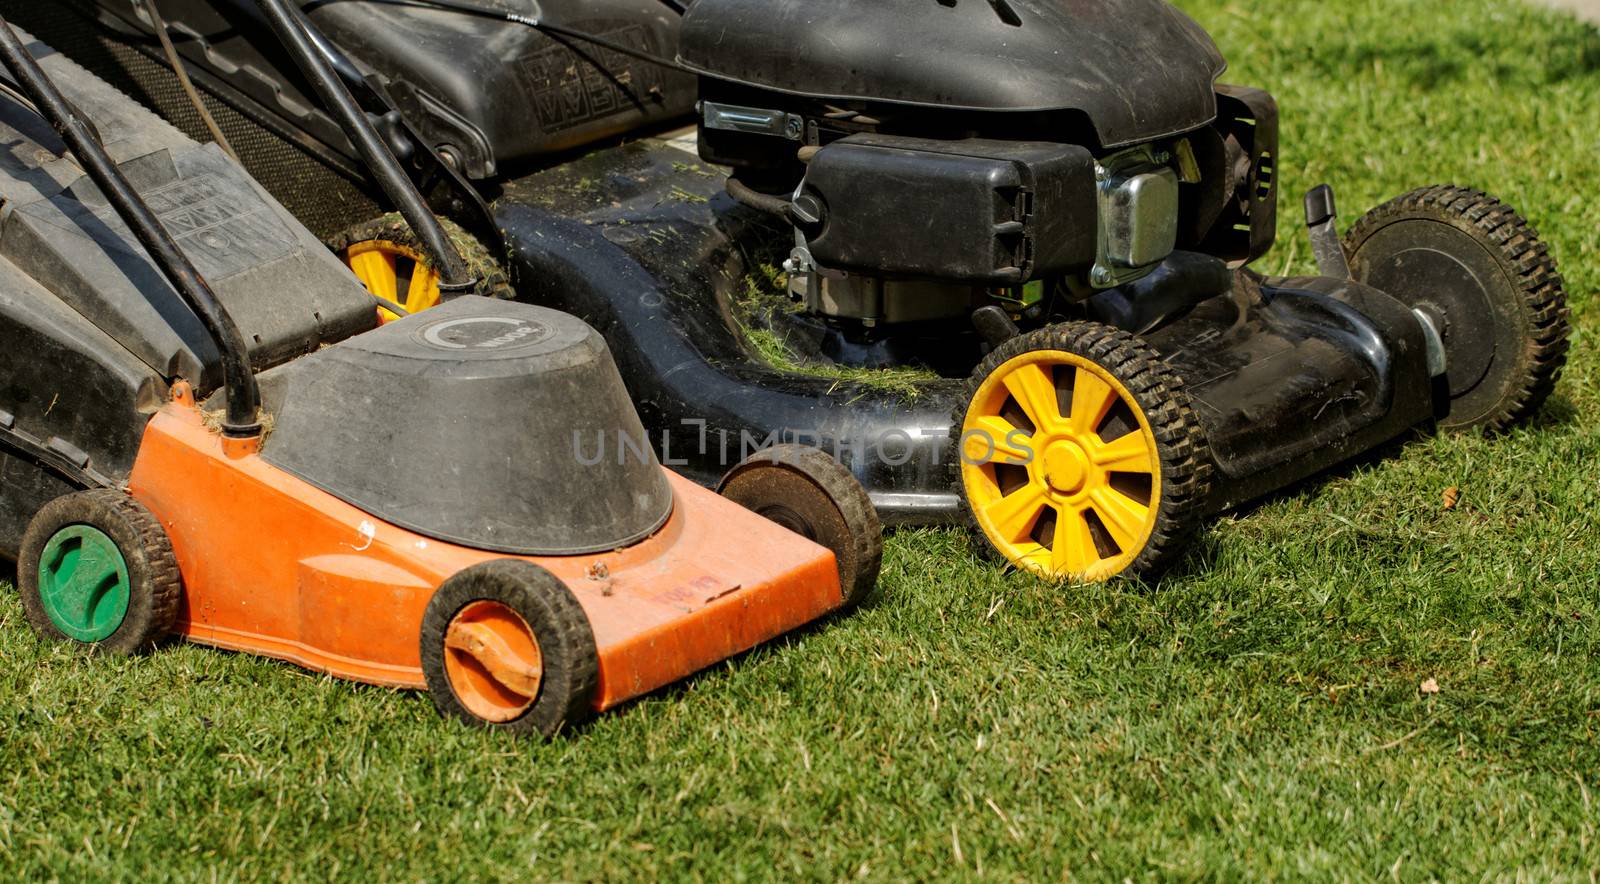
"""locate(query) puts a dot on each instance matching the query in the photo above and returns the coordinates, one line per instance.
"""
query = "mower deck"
(313, 580)
(1288, 376)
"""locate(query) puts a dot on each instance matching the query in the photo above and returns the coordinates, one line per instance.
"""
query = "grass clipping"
(765, 294)
(215, 419)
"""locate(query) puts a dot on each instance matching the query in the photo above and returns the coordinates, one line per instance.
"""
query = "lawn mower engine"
(924, 188)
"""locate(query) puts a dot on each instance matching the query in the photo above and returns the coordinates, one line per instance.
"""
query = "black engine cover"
(995, 213)
(1138, 69)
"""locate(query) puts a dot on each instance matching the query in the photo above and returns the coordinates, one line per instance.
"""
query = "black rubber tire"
(566, 643)
(1505, 327)
(155, 588)
(1159, 392)
(813, 495)
(493, 281)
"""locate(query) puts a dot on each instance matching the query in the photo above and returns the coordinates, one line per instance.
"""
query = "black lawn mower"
(992, 254)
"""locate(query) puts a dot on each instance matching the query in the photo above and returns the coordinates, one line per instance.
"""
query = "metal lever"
(1322, 219)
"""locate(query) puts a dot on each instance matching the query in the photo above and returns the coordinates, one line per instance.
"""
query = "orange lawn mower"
(205, 431)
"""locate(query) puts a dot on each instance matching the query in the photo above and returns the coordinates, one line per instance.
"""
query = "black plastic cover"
(1139, 69)
(1232, 212)
(73, 404)
(1289, 377)
(286, 291)
(490, 424)
(986, 212)
(28, 489)
(492, 91)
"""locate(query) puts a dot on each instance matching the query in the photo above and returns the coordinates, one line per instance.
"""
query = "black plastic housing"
(986, 212)
(91, 332)
(1138, 69)
(490, 91)
(73, 403)
(1233, 212)
(516, 413)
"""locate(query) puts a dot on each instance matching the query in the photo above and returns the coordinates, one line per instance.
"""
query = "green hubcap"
(83, 583)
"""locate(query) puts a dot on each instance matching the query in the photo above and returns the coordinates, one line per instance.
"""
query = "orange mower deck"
(274, 566)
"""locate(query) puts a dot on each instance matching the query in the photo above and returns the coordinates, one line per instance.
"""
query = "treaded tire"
(571, 663)
(1159, 393)
(1519, 305)
(493, 281)
(154, 584)
(815, 496)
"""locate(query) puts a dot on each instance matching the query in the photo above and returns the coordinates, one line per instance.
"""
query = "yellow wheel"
(390, 261)
(1079, 456)
(396, 274)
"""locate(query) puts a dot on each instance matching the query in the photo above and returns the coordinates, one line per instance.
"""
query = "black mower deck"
(642, 241)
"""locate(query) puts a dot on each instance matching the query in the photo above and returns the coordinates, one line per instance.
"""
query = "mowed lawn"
(1259, 713)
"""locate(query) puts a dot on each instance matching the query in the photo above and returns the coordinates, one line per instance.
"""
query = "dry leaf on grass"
(1452, 496)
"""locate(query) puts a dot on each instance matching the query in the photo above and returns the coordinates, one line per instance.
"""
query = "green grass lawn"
(1258, 713)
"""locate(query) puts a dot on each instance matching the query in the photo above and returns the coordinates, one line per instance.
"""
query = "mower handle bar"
(294, 32)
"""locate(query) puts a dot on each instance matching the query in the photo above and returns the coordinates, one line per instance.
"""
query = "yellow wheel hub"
(1060, 466)
(394, 273)
(1066, 467)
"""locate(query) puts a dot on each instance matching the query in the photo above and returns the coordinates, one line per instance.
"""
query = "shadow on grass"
(1557, 414)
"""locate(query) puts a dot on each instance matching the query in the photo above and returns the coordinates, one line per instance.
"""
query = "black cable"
(744, 194)
(342, 65)
(22, 98)
(160, 24)
(294, 34)
(603, 43)
(241, 419)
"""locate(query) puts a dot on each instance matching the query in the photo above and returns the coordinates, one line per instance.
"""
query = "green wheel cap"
(83, 583)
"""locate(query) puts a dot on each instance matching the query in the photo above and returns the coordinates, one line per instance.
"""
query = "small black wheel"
(392, 263)
(506, 645)
(96, 568)
(1079, 456)
(1481, 275)
(813, 495)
